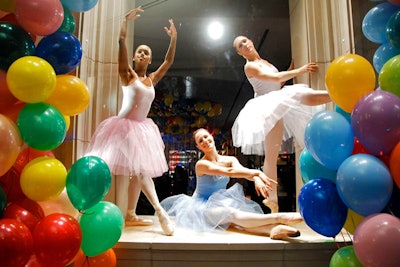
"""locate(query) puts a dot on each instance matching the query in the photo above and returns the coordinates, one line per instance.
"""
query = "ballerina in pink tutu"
(131, 143)
(274, 114)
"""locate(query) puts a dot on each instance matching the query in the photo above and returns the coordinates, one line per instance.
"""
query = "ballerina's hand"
(172, 30)
(310, 67)
(133, 14)
(261, 187)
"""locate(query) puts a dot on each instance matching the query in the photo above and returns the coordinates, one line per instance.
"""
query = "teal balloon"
(345, 114)
(88, 181)
(68, 24)
(42, 126)
(345, 257)
(102, 227)
(311, 169)
(3, 201)
(393, 30)
(79, 5)
(15, 43)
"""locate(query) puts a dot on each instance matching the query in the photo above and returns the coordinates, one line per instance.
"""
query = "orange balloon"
(348, 78)
(105, 259)
(10, 143)
(71, 96)
(394, 164)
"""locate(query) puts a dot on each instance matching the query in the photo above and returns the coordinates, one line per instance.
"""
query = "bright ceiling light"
(215, 30)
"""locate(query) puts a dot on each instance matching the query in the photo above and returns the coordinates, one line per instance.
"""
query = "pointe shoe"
(280, 232)
(272, 204)
(165, 222)
(134, 220)
(289, 217)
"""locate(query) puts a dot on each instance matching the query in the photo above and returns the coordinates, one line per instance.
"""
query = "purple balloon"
(376, 121)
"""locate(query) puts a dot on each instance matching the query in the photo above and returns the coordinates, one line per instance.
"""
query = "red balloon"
(6, 97)
(10, 182)
(57, 238)
(28, 154)
(16, 243)
(26, 211)
(359, 148)
(12, 111)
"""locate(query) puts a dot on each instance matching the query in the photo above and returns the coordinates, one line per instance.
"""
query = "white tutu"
(260, 114)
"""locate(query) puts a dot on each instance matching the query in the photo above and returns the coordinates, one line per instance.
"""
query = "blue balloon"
(393, 30)
(364, 184)
(322, 208)
(79, 5)
(62, 50)
(329, 138)
(384, 52)
(375, 21)
(312, 169)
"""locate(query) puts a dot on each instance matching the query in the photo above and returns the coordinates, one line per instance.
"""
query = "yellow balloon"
(31, 79)
(71, 96)
(67, 122)
(348, 78)
(352, 221)
(10, 143)
(43, 178)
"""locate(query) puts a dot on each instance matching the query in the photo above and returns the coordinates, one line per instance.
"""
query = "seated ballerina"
(212, 206)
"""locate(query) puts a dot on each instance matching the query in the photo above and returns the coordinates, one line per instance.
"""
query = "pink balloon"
(40, 17)
(10, 143)
(377, 240)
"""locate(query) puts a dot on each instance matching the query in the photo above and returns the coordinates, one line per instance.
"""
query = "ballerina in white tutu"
(131, 143)
(213, 207)
(275, 113)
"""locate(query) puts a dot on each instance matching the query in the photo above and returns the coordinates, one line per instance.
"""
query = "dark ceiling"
(205, 69)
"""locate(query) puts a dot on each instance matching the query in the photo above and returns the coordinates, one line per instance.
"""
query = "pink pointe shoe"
(165, 222)
(134, 220)
(280, 232)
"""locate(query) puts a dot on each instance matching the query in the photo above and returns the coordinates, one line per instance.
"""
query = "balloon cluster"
(351, 164)
(40, 200)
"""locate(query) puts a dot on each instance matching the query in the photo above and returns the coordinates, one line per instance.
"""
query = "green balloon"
(42, 126)
(102, 227)
(3, 201)
(389, 76)
(345, 257)
(88, 181)
(68, 24)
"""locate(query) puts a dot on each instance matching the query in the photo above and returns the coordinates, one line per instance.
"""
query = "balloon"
(68, 24)
(60, 204)
(16, 243)
(79, 5)
(321, 207)
(375, 21)
(67, 121)
(57, 239)
(26, 211)
(3, 201)
(102, 227)
(377, 240)
(390, 75)
(43, 178)
(345, 257)
(376, 122)
(13, 111)
(394, 164)
(105, 259)
(383, 54)
(10, 182)
(41, 126)
(71, 95)
(62, 50)
(31, 79)
(7, 5)
(395, 2)
(329, 138)
(28, 154)
(343, 113)
(393, 206)
(88, 181)
(359, 148)
(393, 30)
(15, 43)
(352, 221)
(41, 17)
(10, 144)
(311, 169)
(364, 184)
(348, 78)
(6, 97)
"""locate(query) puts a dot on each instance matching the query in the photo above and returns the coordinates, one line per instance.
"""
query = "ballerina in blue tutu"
(275, 113)
(214, 207)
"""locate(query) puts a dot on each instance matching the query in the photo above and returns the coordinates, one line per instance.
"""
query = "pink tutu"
(260, 114)
(129, 147)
